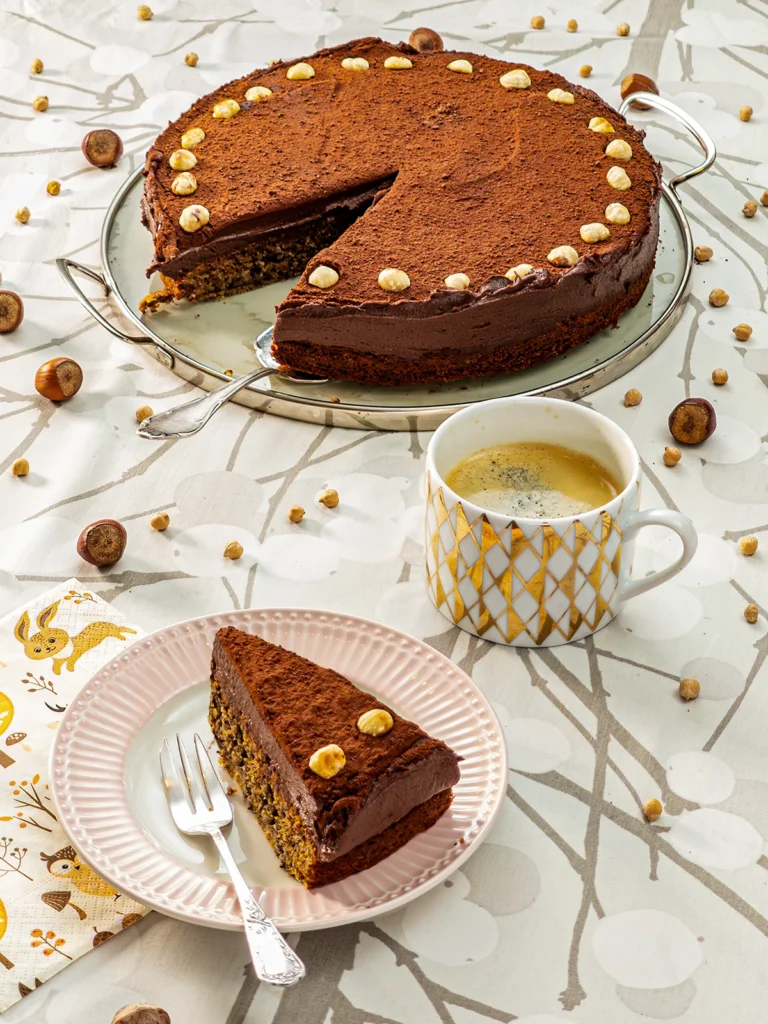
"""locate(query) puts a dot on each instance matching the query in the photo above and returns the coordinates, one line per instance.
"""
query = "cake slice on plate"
(337, 780)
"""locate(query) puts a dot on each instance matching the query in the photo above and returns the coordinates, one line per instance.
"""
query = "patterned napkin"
(53, 908)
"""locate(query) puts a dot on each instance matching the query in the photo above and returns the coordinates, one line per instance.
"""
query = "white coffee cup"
(537, 582)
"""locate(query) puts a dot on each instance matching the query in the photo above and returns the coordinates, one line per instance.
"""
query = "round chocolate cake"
(450, 215)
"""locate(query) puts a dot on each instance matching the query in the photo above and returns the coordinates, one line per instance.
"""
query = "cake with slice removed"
(337, 780)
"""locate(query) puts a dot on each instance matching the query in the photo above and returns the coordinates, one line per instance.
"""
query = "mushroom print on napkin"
(53, 907)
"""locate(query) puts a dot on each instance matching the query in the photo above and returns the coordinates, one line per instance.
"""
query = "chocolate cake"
(450, 214)
(337, 780)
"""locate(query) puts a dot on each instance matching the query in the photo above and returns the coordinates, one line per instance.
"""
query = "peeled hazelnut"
(618, 178)
(141, 1013)
(638, 83)
(585, 70)
(59, 379)
(599, 124)
(563, 256)
(463, 67)
(40, 103)
(393, 280)
(53, 188)
(652, 809)
(517, 78)
(719, 376)
(192, 218)
(537, 22)
(615, 213)
(323, 277)
(192, 138)
(458, 281)
(327, 761)
(764, 198)
(425, 40)
(743, 332)
(560, 96)
(519, 271)
(749, 209)
(160, 521)
(689, 689)
(143, 413)
(745, 113)
(376, 722)
(103, 542)
(672, 456)
(717, 297)
(36, 67)
(11, 311)
(618, 149)
(594, 232)
(329, 498)
(622, 29)
(300, 72)
(633, 397)
(184, 184)
(355, 64)
(257, 93)
(572, 25)
(703, 253)
(23, 215)
(144, 13)
(223, 111)
(296, 513)
(21, 468)
(748, 545)
(233, 550)
(751, 613)
(102, 147)
(398, 63)
(692, 421)
(191, 59)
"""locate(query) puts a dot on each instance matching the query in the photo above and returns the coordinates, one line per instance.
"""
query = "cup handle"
(674, 521)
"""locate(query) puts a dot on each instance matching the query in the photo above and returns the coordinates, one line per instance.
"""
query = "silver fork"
(199, 806)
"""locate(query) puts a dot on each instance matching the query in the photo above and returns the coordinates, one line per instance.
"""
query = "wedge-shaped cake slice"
(284, 724)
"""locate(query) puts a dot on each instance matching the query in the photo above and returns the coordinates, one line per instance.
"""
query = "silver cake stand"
(207, 343)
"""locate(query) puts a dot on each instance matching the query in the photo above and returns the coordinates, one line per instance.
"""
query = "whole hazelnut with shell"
(59, 379)
(11, 311)
(425, 40)
(637, 83)
(102, 543)
(692, 421)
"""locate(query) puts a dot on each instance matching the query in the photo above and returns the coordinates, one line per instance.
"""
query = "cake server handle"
(185, 420)
(273, 959)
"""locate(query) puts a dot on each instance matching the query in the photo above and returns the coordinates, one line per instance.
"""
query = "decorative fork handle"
(273, 959)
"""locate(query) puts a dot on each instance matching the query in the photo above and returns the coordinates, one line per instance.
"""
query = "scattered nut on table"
(572, 25)
(40, 103)
(586, 69)
(11, 311)
(633, 397)
(692, 421)
(751, 614)
(537, 22)
(748, 545)
(296, 513)
(764, 198)
(53, 188)
(743, 332)
(622, 29)
(425, 39)
(191, 59)
(703, 253)
(745, 113)
(160, 521)
(719, 376)
(144, 13)
(652, 809)
(749, 209)
(718, 297)
(59, 379)
(329, 497)
(141, 1013)
(376, 722)
(233, 550)
(20, 467)
(22, 215)
(637, 83)
(103, 542)
(689, 689)
(327, 761)
(672, 456)
(36, 67)
(144, 412)
(102, 147)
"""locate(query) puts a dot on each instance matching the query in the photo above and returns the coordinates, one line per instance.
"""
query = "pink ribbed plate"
(105, 777)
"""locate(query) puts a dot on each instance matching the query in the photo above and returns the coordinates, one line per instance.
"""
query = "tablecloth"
(576, 909)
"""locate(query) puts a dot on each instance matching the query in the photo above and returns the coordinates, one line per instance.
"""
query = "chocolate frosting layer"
(293, 707)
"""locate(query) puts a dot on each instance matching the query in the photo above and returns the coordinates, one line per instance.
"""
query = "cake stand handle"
(703, 137)
(65, 267)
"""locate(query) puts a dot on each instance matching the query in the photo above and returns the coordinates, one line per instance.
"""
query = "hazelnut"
(53, 188)
(327, 761)
(764, 198)
(182, 160)
(103, 542)
(296, 513)
(21, 468)
(618, 149)
(618, 178)
(323, 277)
(425, 40)
(102, 147)
(144, 13)
(719, 376)
(141, 1013)
(11, 311)
(191, 59)
(594, 232)
(192, 138)
(143, 413)
(745, 113)
(36, 67)
(23, 215)
(717, 297)
(585, 70)
(355, 64)
(703, 253)
(748, 545)
(560, 96)
(233, 550)
(599, 124)
(397, 63)
(622, 29)
(517, 78)
(376, 722)
(393, 280)
(461, 66)
(633, 397)
(749, 209)
(672, 456)
(192, 218)
(160, 521)
(692, 421)
(572, 25)
(537, 22)
(329, 498)
(458, 281)
(743, 332)
(519, 271)
(59, 379)
(184, 184)
(300, 72)
(222, 112)
(40, 103)
(563, 256)
(689, 689)
(751, 613)
(638, 83)
(652, 809)
(615, 213)
(257, 93)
